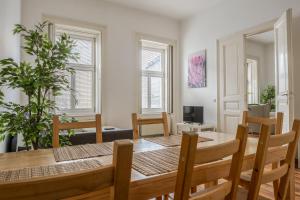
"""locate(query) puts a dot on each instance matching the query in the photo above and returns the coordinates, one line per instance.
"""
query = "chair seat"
(245, 177)
(243, 193)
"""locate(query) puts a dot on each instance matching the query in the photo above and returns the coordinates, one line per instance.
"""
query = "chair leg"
(291, 190)
(193, 189)
(166, 197)
(210, 184)
(276, 182)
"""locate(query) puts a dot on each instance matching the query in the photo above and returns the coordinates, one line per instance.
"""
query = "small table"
(196, 127)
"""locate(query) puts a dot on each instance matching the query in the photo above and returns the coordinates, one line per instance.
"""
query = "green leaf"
(268, 96)
(46, 72)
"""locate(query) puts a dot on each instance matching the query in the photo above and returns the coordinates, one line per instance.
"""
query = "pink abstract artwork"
(197, 70)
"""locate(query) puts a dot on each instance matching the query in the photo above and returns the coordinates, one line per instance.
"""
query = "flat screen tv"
(193, 114)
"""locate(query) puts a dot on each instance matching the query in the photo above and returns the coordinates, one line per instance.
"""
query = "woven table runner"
(82, 151)
(50, 170)
(173, 140)
(156, 162)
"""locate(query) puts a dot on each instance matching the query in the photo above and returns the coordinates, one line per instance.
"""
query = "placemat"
(50, 170)
(156, 162)
(173, 140)
(82, 151)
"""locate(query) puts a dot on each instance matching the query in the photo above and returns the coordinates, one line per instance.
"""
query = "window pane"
(84, 89)
(156, 92)
(144, 92)
(63, 101)
(252, 84)
(84, 49)
(151, 60)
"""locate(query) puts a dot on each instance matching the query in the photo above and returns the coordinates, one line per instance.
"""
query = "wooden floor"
(267, 189)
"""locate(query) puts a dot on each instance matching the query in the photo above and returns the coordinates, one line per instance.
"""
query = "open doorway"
(260, 73)
(233, 89)
(232, 82)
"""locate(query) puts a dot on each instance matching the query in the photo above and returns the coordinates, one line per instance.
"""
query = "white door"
(232, 87)
(284, 68)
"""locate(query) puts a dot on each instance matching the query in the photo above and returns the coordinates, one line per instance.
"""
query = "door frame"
(265, 27)
(261, 28)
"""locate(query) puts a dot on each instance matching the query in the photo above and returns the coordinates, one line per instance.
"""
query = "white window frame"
(161, 45)
(158, 74)
(87, 31)
(257, 99)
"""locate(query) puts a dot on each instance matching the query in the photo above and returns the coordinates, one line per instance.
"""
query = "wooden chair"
(271, 149)
(136, 122)
(277, 122)
(87, 184)
(212, 157)
(57, 126)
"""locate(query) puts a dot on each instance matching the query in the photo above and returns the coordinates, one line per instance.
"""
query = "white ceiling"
(178, 9)
(266, 37)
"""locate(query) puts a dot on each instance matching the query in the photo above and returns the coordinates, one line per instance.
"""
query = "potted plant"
(268, 96)
(39, 79)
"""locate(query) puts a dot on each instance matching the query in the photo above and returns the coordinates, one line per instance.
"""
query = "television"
(193, 114)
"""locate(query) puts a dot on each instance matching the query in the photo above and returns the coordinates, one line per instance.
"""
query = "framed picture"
(197, 70)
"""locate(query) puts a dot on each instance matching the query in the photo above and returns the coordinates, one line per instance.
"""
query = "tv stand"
(196, 127)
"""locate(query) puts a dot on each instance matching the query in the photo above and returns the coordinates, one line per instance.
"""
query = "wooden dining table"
(141, 186)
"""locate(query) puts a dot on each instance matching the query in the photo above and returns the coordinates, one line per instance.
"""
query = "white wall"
(228, 17)
(10, 12)
(269, 65)
(119, 71)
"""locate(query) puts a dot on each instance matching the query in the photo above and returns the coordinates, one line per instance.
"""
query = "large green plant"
(44, 76)
(268, 96)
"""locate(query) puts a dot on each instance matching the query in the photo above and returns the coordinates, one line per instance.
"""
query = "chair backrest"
(270, 149)
(80, 184)
(136, 122)
(190, 156)
(57, 126)
(277, 122)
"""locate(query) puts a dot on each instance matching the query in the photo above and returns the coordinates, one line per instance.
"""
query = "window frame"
(248, 60)
(156, 74)
(94, 34)
(167, 73)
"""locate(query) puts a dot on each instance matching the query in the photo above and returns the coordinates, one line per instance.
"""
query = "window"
(252, 83)
(156, 81)
(82, 99)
